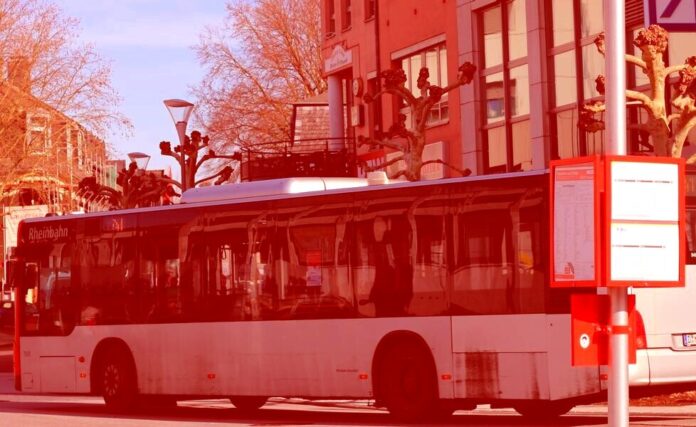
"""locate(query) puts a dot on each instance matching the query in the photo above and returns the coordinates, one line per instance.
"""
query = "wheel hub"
(112, 380)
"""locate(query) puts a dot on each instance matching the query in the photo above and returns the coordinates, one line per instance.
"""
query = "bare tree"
(60, 71)
(411, 141)
(667, 132)
(49, 76)
(265, 56)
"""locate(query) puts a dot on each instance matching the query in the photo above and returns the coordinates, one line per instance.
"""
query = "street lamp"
(140, 159)
(187, 152)
(180, 111)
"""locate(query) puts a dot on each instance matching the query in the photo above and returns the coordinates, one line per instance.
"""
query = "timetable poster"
(574, 223)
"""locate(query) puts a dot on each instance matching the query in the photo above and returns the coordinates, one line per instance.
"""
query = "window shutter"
(634, 13)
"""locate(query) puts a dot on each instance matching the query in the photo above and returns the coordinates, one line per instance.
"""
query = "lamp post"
(186, 153)
(140, 159)
(180, 111)
(138, 187)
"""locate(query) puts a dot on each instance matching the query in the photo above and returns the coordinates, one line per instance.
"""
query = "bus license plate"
(689, 340)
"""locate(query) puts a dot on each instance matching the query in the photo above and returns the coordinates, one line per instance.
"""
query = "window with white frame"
(574, 64)
(435, 60)
(370, 9)
(38, 136)
(346, 14)
(505, 87)
(330, 16)
(78, 147)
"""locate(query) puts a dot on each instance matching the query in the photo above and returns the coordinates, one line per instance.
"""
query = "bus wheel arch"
(112, 361)
(405, 357)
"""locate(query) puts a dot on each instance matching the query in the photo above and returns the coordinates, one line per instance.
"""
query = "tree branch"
(462, 172)
(632, 59)
(639, 96)
(674, 69)
(386, 163)
(393, 144)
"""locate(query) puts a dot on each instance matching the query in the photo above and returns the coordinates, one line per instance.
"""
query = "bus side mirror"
(15, 276)
(31, 276)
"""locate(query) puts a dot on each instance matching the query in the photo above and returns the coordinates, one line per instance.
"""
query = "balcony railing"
(327, 157)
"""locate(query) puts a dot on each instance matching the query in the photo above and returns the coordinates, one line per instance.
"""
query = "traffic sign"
(672, 15)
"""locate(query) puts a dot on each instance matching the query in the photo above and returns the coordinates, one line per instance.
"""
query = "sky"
(148, 43)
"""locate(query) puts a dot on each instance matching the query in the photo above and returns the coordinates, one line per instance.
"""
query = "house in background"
(44, 154)
(311, 152)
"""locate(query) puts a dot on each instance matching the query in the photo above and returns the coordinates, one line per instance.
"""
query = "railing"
(329, 157)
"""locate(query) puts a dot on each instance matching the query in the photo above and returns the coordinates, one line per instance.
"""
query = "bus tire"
(248, 403)
(116, 380)
(543, 410)
(408, 383)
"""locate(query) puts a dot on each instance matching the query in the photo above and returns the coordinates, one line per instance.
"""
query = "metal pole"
(615, 27)
(181, 132)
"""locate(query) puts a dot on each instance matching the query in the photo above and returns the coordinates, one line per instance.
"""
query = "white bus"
(425, 297)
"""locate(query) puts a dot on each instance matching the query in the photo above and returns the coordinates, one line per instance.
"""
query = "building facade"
(45, 154)
(363, 38)
(536, 67)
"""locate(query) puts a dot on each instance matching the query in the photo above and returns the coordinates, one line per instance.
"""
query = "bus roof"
(271, 187)
(276, 188)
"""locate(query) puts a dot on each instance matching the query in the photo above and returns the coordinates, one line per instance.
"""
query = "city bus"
(421, 297)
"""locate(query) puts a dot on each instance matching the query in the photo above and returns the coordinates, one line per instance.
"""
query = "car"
(7, 314)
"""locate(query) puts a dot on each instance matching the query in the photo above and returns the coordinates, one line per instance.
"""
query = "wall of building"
(536, 67)
(406, 28)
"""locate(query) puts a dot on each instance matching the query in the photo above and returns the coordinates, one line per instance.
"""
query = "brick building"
(45, 154)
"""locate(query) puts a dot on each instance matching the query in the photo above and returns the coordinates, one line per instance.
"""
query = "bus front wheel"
(248, 403)
(117, 382)
(409, 384)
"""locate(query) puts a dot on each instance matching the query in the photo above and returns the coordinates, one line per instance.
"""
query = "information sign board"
(617, 221)
(645, 216)
(574, 218)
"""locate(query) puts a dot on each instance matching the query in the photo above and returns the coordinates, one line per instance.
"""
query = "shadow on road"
(278, 413)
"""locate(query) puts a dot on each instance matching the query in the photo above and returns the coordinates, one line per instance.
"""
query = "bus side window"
(430, 293)
(482, 274)
(318, 285)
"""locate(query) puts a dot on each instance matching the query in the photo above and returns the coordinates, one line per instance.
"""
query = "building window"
(77, 148)
(346, 14)
(435, 59)
(505, 87)
(38, 137)
(370, 9)
(330, 18)
(574, 63)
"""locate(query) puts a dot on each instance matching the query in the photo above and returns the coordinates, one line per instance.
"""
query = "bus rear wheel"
(117, 382)
(409, 384)
(248, 403)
